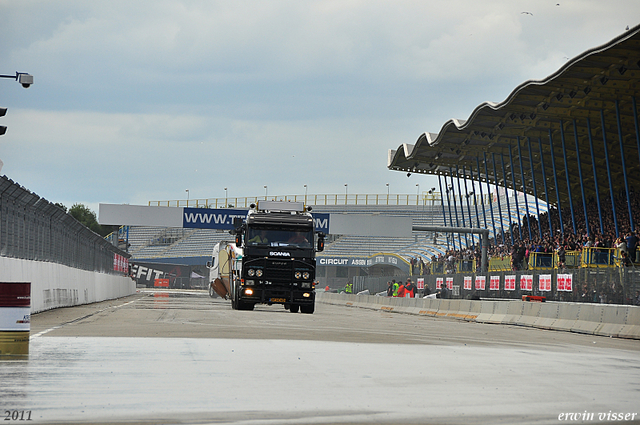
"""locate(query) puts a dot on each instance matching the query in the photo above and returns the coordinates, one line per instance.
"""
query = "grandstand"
(194, 246)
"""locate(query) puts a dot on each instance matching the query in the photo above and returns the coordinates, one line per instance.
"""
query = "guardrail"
(618, 321)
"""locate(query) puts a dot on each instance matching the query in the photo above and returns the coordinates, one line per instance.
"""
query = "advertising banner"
(467, 283)
(526, 282)
(449, 283)
(544, 282)
(510, 283)
(564, 282)
(420, 283)
(480, 282)
(494, 284)
(439, 282)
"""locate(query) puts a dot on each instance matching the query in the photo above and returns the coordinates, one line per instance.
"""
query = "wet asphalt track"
(182, 357)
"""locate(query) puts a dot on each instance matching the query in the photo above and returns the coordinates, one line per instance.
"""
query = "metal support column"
(466, 240)
(595, 176)
(466, 191)
(635, 121)
(524, 188)
(555, 179)
(484, 213)
(546, 188)
(495, 176)
(535, 189)
(606, 157)
(566, 172)
(624, 166)
(455, 206)
(493, 219)
(444, 216)
(504, 181)
(515, 191)
(584, 199)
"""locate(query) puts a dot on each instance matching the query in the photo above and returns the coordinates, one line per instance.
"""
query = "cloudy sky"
(139, 100)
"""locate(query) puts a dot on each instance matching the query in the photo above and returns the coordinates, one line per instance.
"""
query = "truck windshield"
(265, 236)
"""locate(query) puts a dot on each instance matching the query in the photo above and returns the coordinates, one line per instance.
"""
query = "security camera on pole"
(26, 80)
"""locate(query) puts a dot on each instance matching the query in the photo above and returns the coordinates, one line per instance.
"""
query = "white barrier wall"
(55, 285)
(621, 321)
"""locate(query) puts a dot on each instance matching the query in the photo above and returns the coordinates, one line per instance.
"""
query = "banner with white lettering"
(481, 282)
(222, 218)
(439, 282)
(449, 283)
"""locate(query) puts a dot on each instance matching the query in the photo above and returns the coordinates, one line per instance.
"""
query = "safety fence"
(586, 258)
(603, 320)
(600, 285)
(32, 228)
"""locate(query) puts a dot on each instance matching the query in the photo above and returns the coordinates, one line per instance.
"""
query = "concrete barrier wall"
(55, 285)
(597, 319)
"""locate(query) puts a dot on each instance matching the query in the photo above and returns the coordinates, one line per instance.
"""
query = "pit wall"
(55, 285)
(595, 319)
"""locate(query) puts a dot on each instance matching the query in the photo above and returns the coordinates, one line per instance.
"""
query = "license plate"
(278, 300)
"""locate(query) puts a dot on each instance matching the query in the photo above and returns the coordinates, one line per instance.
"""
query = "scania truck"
(273, 258)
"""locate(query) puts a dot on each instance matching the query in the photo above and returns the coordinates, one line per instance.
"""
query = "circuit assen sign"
(375, 260)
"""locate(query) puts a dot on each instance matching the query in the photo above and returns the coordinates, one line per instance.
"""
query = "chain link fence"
(32, 228)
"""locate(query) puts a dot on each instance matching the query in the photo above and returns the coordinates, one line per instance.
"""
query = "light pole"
(187, 190)
(346, 193)
(305, 194)
(265, 192)
(226, 201)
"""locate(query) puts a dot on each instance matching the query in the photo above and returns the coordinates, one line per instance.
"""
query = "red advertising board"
(494, 283)
(544, 282)
(480, 282)
(420, 282)
(439, 282)
(564, 282)
(449, 283)
(510, 283)
(467, 282)
(526, 282)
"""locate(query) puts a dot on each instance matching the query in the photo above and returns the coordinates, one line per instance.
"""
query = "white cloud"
(140, 100)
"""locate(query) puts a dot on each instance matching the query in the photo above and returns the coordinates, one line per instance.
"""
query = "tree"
(84, 215)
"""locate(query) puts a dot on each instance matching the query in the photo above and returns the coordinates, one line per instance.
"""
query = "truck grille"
(280, 270)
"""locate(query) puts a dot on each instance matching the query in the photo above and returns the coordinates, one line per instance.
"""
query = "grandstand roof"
(597, 89)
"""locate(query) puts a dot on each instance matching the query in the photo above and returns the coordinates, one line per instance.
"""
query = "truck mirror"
(239, 239)
(320, 246)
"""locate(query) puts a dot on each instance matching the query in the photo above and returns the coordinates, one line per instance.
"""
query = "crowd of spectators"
(528, 236)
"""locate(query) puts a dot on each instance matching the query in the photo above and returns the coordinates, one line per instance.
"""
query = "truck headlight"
(305, 275)
(297, 275)
(259, 272)
(251, 272)
(306, 295)
(248, 291)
